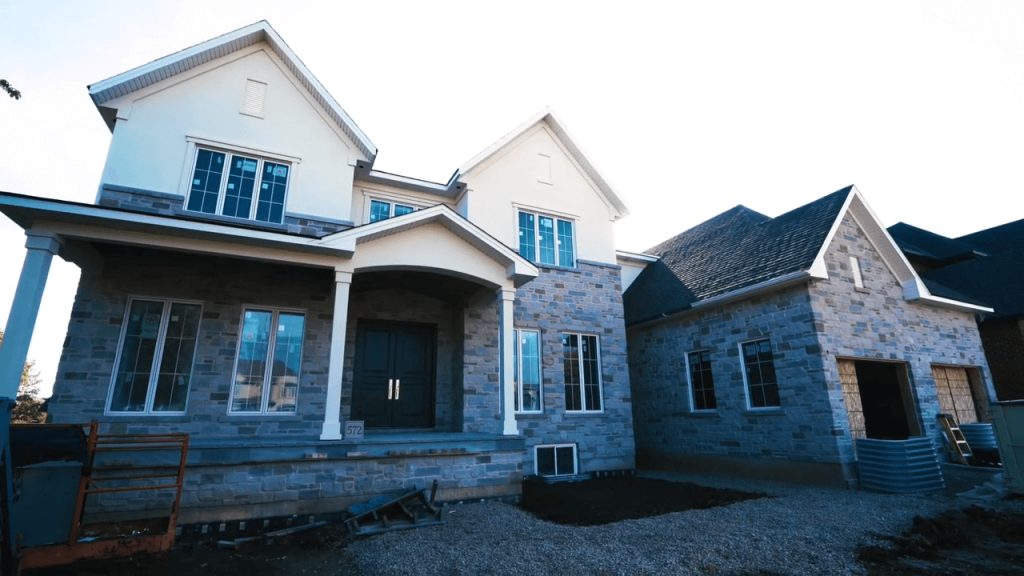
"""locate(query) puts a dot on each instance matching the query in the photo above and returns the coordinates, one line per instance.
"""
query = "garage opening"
(879, 401)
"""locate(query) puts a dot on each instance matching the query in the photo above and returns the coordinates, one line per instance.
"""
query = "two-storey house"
(324, 330)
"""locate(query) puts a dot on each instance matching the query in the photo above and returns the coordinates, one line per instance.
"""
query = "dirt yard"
(966, 540)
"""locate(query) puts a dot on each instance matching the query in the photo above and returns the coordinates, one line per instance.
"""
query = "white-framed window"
(581, 360)
(267, 364)
(547, 239)
(701, 380)
(155, 353)
(239, 185)
(384, 209)
(759, 377)
(527, 373)
(555, 460)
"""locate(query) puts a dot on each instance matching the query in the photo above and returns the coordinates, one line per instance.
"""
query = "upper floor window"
(154, 357)
(702, 383)
(238, 185)
(759, 373)
(582, 368)
(383, 209)
(546, 239)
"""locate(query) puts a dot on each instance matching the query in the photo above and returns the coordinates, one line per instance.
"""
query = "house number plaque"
(354, 430)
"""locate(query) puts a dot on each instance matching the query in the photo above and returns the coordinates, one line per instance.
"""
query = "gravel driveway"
(797, 530)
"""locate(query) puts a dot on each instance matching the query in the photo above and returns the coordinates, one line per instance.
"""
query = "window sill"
(555, 267)
(777, 411)
(173, 417)
(219, 219)
(703, 414)
(584, 413)
(529, 415)
(861, 290)
(262, 417)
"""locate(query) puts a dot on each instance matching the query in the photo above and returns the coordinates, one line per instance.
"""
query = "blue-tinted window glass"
(546, 234)
(247, 393)
(527, 235)
(284, 375)
(202, 196)
(565, 250)
(176, 361)
(527, 373)
(241, 183)
(401, 209)
(270, 207)
(141, 333)
(379, 210)
(759, 365)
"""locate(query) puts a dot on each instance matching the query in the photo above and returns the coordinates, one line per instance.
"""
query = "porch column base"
(332, 407)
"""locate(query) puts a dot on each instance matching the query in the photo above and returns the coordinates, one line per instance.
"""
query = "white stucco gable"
(538, 168)
(115, 87)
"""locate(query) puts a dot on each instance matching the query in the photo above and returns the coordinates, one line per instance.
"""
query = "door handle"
(391, 388)
(398, 388)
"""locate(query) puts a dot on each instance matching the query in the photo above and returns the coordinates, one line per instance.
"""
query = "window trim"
(556, 216)
(265, 393)
(370, 195)
(195, 144)
(157, 357)
(517, 354)
(689, 381)
(600, 373)
(858, 274)
(555, 447)
(746, 383)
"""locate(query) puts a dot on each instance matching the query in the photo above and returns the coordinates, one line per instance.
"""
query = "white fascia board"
(547, 115)
(950, 304)
(183, 60)
(818, 269)
(46, 210)
(448, 189)
(516, 265)
(635, 256)
(771, 285)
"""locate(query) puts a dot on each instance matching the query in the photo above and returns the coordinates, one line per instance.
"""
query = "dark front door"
(393, 385)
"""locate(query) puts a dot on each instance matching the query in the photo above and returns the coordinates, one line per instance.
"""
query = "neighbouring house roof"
(989, 266)
(740, 252)
(163, 68)
(918, 243)
(548, 116)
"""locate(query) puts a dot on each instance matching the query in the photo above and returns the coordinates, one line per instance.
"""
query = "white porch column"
(24, 309)
(507, 345)
(332, 408)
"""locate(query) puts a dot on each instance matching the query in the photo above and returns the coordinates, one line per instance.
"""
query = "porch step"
(394, 511)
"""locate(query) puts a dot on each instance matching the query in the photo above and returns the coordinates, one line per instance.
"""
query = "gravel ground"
(797, 530)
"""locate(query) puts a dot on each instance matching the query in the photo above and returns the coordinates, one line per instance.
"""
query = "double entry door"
(393, 384)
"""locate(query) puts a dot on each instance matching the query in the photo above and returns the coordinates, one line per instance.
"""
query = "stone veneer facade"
(810, 326)
(587, 300)
(252, 466)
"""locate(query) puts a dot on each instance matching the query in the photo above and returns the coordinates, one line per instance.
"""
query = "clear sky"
(687, 108)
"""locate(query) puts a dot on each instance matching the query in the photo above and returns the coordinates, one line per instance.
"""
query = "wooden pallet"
(394, 511)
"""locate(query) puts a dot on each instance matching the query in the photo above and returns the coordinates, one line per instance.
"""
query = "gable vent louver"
(255, 97)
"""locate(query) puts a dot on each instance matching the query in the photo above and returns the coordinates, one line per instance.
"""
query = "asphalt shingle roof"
(914, 241)
(736, 249)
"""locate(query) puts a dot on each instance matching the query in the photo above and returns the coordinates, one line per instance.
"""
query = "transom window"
(546, 239)
(267, 366)
(759, 372)
(582, 365)
(702, 383)
(382, 209)
(527, 371)
(154, 359)
(238, 186)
